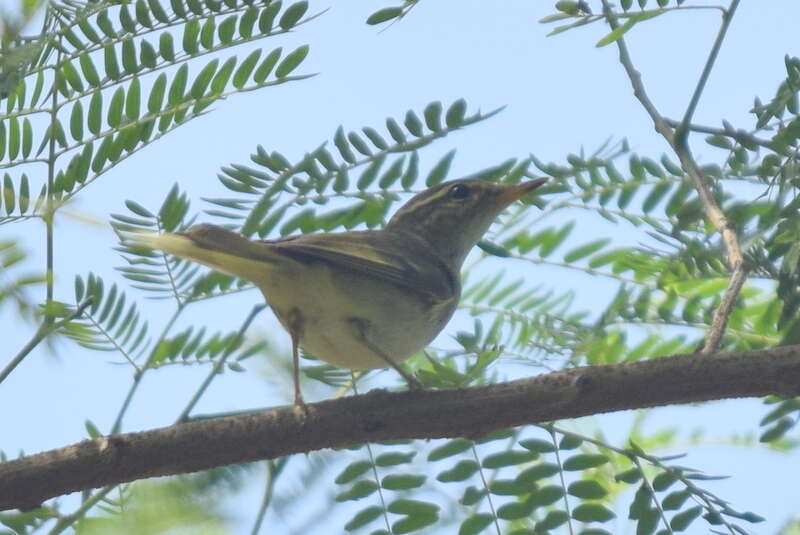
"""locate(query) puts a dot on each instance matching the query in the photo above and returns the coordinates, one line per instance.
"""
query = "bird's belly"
(332, 308)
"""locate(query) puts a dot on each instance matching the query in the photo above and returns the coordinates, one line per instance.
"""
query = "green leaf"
(433, 116)
(129, 62)
(143, 14)
(343, 146)
(394, 458)
(267, 17)
(105, 24)
(675, 500)
(207, 33)
(359, 490)
(539, 471)
(592, 512)
(27, 137)
(586, 250)
(582, 461)
(69, 72)
(413, 123)
(352, 471)
(514, 510)
(681, 521)
(472, 496)
(461, 471)
(363, 517)
(475, 523)
(195, 7)
(547, 495)
(404, 506)
(508, 458)
(655, 196)
(114, 117)
(402, 481)
(538, 445)
(166, 47)
(191, 32)
(553, 520)
(629, 476)
(587, 489)
(413, 523)
(158, 11)
(156, 97)
(291, 61)
(623, 28)
(133, 100)
(24, 194)
(200, 84)
(455, 114)
(148, 56)
(292, 15)
(37, 90)
(664, 480)
(263, 70)
(227, 29)
(76, 121)
(247, 22)
(449, 448)
(411, 173)
(245, 69)
(9, 197)
(554, 239)
(440, 170)
(375, 138)
(395, 131)
(178, 86)
(89, 71)
(220, 81)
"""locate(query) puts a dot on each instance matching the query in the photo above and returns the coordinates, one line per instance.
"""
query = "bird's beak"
(518, 191)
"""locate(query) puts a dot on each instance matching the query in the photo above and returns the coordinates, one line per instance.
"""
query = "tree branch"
(678, 141)
(380, 415)
(740, 136)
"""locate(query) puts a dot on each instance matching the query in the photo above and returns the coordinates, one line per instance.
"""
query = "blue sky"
(562, 93)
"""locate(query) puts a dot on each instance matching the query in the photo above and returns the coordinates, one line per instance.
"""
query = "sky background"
(562, 95)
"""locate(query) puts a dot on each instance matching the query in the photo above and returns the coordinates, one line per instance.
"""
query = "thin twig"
(652, 491)
(42, 332)
(137, 379)
(486, 486)
(49, 219)
(720, 320)
(220, 363)
(727, 17)
(550, 429)
(374, 467)
(273, 471)
(66, 521)
(741, 136)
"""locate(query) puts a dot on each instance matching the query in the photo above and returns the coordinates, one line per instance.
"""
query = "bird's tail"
(215, 247)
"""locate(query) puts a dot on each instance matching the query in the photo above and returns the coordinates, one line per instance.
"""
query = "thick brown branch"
(381, 415)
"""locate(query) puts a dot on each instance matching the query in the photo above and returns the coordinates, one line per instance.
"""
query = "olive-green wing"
(375, 255)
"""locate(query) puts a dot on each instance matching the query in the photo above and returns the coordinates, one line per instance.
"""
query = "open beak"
(518, 191)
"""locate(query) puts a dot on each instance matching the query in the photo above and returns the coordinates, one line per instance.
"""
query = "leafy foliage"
(108, 78)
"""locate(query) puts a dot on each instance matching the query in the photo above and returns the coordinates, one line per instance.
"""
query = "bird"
(361, 299)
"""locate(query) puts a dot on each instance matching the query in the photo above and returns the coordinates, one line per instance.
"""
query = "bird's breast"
(398, 323)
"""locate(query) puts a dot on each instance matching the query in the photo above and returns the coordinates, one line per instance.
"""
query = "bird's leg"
(295, 321)
(361, 327)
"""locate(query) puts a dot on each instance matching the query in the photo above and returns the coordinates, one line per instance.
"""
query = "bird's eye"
(459, 192)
